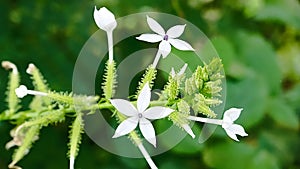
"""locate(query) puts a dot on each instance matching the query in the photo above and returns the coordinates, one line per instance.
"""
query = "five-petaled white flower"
(165, 38)
(105, 19)
(140, 115)
(233, 129)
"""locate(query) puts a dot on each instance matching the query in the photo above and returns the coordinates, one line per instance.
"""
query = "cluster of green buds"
(182, 100)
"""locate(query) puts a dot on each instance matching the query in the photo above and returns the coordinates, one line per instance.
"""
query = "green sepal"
(148, 77)
(12, 99)
(75, 135)
(46, 118)
(180, 117)
(109, 78)
(40, 84)
(30, 136)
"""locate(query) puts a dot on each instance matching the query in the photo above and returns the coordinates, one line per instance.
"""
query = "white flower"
(139, 115)
(21, 91)
(233, 129)
(227, 123)
(104, 19)
(165, 38)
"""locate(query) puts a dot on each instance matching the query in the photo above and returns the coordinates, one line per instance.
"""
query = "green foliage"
(258, 42)
(282, 114)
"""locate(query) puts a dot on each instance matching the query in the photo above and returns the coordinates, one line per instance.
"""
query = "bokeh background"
(258, 41)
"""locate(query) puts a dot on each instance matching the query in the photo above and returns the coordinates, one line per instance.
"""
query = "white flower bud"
(105, 19)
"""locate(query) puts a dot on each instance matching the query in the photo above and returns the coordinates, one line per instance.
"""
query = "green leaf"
(293, 96)
(189, 145)
(249, 94)
(286, 12)
(282, 114)
(259, 55)
(263, 159)
(225, 50)
(228, 156)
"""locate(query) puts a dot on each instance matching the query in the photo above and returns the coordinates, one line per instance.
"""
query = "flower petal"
(155, 26)
(234, 129)
(182, 70)
(157, 112)
(172, 73)
(124, 107)
(238, 129)
(188, 129)
(148, 131)
(231, 134)
(126, 127)
(180, 44)
(164, 48)
(176, 31)
(152, 38)
(105, 19)
(232, 114)
(143, 99)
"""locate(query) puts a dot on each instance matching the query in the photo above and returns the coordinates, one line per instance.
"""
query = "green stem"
(110, 46)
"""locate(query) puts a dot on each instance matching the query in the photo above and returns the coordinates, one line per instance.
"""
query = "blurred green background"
(258, 40)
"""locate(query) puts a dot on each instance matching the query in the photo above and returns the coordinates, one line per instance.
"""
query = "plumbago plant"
(182, 100)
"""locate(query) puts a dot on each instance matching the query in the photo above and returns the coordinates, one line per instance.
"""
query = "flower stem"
(156, 59)
(110, 46)
(36, 93)
(147, 156)
(206, 120)
(71, 163)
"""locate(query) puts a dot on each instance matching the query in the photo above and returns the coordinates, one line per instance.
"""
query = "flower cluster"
(182, 100)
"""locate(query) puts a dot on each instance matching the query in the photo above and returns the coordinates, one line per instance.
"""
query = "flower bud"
(104, 19)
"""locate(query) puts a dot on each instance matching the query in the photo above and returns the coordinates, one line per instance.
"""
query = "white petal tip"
(153, 143)
(192, 135)
(244, 135)
(116, 135)
(188, 129)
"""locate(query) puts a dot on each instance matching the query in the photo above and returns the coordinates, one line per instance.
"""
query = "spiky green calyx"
(179, 117)
(75, 135)
(40, 84)
(148, 77)
(13, 83)
(109, 78)
(30, 137)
